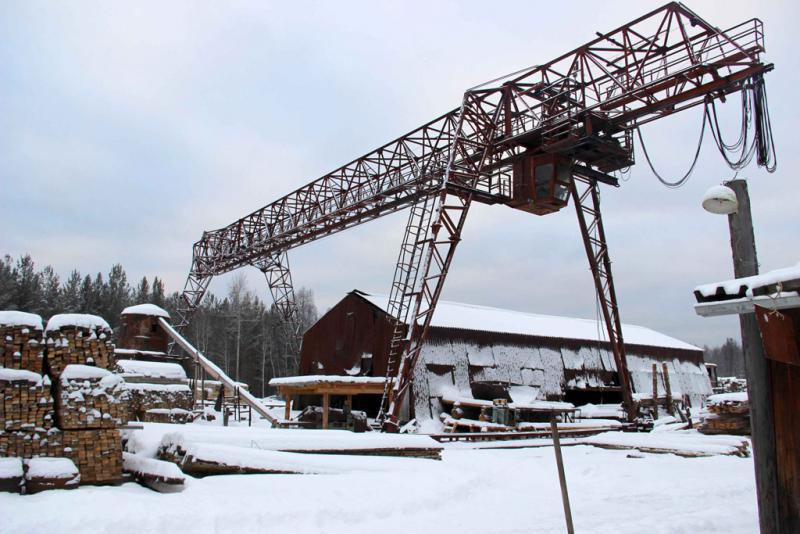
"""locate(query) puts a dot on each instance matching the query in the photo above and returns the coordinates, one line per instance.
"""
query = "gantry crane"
(531, 141)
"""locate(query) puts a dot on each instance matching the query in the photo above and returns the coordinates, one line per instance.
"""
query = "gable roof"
(483, 318)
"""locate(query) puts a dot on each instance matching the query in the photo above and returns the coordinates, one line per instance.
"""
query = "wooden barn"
(481, 353)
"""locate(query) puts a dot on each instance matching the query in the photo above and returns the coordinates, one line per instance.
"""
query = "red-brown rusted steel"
(582, 106)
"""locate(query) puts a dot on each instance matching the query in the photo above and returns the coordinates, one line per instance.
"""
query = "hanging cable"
(685, 177)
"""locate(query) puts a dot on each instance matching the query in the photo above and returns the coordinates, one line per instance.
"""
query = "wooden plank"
(779, 335)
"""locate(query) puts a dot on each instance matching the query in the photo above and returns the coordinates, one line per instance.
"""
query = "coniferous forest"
(239, 331)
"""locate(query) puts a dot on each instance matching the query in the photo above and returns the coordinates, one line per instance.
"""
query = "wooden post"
(287, 395)
(667, 387)
(745, 263)
(326, 404)
(655, 391)
(562, 478)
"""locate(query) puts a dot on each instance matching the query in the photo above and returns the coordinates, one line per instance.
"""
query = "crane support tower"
(531, 140)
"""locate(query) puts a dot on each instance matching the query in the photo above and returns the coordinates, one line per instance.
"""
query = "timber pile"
(97, 453)
(168, 415)
(50, 473)
(91, 398)
(31, 443)
(147, 397)
(11, 475)
(78, 339)
(21, 341)
(727, 413)
(25, 400)
(164, 477)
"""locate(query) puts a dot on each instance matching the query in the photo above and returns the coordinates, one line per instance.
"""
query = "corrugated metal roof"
(486, 319)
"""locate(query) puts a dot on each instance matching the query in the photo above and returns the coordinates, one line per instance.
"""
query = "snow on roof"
(18, 318)
(83, 320)
(152, 369)
(483, 318)
(17, 375)
(749, 283)
(146, 309)
(324, 379)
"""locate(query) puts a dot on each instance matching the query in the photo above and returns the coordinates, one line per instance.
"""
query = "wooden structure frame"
(330, 387)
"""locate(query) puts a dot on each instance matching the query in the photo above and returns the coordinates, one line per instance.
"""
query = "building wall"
(353, 338)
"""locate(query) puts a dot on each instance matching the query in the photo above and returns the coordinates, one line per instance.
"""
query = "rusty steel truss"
(582, 106)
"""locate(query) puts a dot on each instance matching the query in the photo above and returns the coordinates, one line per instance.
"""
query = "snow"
(603, 411)
(750, 283)
(134, 352)
(146, 309)
(78, 372)
(151, 466)
(10, 468)
(324, 379)
(724, 398)
(92, 322)
(13, 375)
(51, 468)
(469, 492)
(532, 405)
(688, 442)
(145, 386)
(482, 318)
(152, 369)
(18, 318)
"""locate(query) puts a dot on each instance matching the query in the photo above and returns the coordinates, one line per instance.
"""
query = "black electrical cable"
(685, 177)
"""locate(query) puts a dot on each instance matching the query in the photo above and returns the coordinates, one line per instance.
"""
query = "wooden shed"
(476, 352)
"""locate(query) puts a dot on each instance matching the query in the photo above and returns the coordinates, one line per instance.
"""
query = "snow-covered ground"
(470, 490)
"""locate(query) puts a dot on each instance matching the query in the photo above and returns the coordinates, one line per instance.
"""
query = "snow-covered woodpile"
(50, 473)
(91, 398)
(727, 413)
(25, 400)
(78, 339)
(21, 341)
(97, 453)
(159, 391)
(79, 426)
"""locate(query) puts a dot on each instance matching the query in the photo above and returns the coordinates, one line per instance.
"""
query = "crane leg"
(279, 279)
(587, 205)
(478, 121)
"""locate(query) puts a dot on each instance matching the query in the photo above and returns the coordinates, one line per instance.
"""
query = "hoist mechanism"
(531, 140)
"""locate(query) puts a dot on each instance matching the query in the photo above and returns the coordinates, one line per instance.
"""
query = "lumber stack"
(31, 443)
(726, 413)
(78, 339)
(168, 415)
(21, 344)
(97, 453)
(25, 400)
(146, 397)
(91, 398)
(11, 475)
(50, 473)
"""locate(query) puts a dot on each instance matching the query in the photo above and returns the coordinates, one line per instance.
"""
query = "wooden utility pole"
(562, 477)
(759, 387)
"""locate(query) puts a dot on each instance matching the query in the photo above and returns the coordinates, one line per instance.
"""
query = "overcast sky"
(128, 129)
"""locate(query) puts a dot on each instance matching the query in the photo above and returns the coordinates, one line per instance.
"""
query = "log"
(43, 474)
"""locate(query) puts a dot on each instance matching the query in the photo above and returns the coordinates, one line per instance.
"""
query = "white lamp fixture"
(721, 200)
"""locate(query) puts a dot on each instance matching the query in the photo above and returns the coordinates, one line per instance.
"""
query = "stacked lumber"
(97, 453)
(31, 443)
(78, 339)
(25, 400)
(146, 397)
(91, 398)
(21, 341)
(11, 475)
(726, 413)
(158, 475)
(50, 473)
(168, 415)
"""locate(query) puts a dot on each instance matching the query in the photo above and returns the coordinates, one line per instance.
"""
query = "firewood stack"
(21, 344)
(91, 398)
(726, 413)
(78, 339)
(25, 400)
